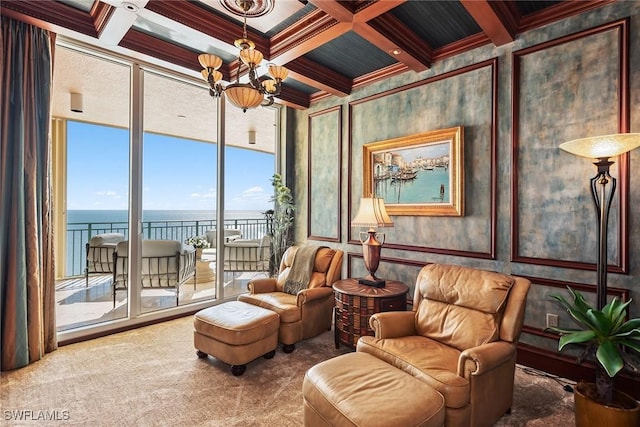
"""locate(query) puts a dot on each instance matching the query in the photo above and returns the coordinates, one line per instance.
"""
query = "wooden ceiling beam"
(388, 33)
(294, 98)
(55, 14)
(334, 9)
(495, 18)
(375, 9)
(313, 74)
(305, 35)
(101, 14)
(191, 15)
(148, 45)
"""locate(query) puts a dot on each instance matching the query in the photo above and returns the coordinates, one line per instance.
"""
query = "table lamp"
(372, 213)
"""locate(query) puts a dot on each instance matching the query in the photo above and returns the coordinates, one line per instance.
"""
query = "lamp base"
(376, 283)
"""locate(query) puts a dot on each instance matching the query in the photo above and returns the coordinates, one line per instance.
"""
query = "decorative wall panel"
(564, 89)
(325, 176)
(464, 97)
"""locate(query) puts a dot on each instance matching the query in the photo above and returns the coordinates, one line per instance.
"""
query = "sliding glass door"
(179, 193)
(145, 184)
(91, 141)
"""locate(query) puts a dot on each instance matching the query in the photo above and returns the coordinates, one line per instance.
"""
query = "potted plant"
(280, 222)
(613, 340)
(198, 242)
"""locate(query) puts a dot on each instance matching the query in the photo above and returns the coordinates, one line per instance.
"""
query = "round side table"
(356, 303)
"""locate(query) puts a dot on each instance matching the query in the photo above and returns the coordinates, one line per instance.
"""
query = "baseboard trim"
(568, 367)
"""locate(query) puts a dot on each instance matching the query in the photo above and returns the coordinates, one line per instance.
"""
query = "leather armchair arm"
(481, 359)
(393, 324)
(310, 294)
(261, 286)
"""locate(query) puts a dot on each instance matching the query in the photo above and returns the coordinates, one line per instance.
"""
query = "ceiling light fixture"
(250, 94)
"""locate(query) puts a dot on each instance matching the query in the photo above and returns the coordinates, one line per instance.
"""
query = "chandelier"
(250, 94)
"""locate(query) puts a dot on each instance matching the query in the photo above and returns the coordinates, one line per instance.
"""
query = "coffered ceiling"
(329, 46)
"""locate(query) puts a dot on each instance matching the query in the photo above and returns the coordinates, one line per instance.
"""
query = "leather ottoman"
(358, 389)
(236, 333)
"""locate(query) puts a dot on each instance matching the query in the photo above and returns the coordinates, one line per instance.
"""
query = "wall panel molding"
(598, 83)
(324, 160)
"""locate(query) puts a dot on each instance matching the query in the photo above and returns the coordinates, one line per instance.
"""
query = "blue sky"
(177, 174)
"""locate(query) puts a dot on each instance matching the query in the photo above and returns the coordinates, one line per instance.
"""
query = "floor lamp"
(602, 149)
(372, 213)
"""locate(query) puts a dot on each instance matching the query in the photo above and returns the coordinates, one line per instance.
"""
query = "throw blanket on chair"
(301, 269)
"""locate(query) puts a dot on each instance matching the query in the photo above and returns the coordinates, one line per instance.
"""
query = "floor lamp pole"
(603, 205)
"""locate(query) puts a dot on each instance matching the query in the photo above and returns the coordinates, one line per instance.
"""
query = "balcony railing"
(79, 233)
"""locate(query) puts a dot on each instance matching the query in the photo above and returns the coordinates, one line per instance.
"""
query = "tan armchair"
(460, 338)
(307, 313)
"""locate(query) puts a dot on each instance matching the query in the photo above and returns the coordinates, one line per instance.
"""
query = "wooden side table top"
(392, 288)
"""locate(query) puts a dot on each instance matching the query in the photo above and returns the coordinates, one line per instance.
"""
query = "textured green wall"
(564, 92)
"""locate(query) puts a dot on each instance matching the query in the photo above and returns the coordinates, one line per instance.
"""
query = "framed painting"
(421, 174)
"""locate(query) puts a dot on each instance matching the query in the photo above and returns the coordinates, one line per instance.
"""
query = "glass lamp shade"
(372, 213)
(602, 147)
(269, 85)
(251, 56)
(217, 75)
(208, 60)
(242, 95)
(278, 71)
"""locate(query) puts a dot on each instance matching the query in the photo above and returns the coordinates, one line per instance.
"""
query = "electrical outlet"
(552, 320)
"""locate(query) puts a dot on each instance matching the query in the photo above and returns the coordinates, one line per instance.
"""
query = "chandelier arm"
(267, 101)
(255, 82)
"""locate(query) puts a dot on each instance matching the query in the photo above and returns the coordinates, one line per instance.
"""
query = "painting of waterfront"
(417, 175)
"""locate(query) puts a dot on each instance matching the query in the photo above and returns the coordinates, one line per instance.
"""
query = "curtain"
(27, 281)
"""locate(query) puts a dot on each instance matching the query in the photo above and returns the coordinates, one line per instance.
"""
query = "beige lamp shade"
(372, 213)
(278, 72)
(242, 95)
(602, 147)
(217, 75)
(269, 85)
(251, 56)
(208, 60)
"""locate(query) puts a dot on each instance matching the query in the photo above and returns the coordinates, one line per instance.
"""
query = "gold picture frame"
(421, 174)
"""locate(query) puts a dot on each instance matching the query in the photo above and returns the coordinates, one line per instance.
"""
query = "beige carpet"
(152, 377)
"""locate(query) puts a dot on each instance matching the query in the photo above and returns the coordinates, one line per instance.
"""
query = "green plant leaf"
(630, 326)
(599, 321)
(576, 312)
(609, 357)
(578, 301)
(576, 338)
(630, 344)
(617, 312)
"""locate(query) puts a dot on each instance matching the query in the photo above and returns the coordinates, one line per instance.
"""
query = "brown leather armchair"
(308, 313)
(460, 338)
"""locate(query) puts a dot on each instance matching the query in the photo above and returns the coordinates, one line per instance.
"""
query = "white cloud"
(253, 194)
(208, 195)
(108, 193)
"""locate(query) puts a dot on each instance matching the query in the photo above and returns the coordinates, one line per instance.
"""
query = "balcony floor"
(79, 305)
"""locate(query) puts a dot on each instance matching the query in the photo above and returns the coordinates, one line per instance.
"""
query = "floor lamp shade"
(603, 187)
(372, 213)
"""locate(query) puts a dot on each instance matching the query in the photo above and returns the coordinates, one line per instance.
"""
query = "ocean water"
(108, 216)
